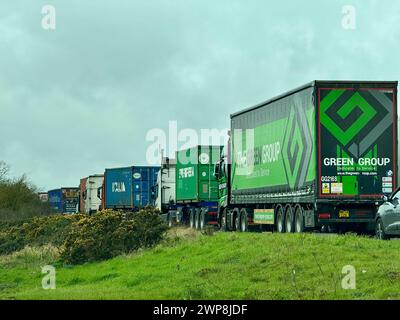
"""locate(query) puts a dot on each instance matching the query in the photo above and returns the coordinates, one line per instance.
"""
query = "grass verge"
(219, 266)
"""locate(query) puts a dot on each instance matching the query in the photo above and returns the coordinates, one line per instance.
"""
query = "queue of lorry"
(320, 157)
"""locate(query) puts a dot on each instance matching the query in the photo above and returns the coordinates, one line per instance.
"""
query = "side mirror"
(385, 199)
(99, 192)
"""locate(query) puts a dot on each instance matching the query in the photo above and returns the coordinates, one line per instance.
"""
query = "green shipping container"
(195, 181)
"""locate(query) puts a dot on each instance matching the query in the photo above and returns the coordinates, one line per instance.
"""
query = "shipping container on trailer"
(64, 200)
(322, 155)
(129, 188)
(55, 200)
(90, 200)
(196, 187)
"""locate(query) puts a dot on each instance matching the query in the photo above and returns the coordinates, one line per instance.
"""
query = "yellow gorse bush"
(83, 238)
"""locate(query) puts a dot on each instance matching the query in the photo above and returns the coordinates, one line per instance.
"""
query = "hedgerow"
(83, 238)
(111, 233)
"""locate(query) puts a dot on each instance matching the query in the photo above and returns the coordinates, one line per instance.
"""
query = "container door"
(55, 200)
(70, 200)
(145, 199)
(187, 175)
(119, 188)
(145, 186)
(208, 186)
(142, 179)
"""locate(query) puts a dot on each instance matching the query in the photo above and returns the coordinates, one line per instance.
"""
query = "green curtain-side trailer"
(321, 155)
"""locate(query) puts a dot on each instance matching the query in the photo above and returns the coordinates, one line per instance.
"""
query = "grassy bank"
(220, 266)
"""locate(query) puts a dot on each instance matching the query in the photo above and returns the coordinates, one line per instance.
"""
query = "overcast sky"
(82, 97)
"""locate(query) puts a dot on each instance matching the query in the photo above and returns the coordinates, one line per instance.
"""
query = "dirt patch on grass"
(182, 233)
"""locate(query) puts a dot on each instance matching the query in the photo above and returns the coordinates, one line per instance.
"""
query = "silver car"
(388, 217)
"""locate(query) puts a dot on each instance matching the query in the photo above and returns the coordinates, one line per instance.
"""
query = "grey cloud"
(83, 97)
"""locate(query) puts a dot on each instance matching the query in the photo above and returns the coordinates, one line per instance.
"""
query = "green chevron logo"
(297, 147)
(292, 148)
(345, 120)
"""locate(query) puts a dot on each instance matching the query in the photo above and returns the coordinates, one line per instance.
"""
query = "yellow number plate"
(344, 214)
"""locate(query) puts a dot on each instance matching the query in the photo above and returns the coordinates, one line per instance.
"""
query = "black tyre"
(237, 222)
(179, 219)
(280, 220)
(192, 219)
(289, 220)
(223, 221)
(380, 231)
(299, 220)
(170, 222)
(234, 223)
(197, 219)
(244, 223)
(203, 221)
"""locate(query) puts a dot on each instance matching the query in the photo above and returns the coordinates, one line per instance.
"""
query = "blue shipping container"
(55, 201)
(64, 200)
(130, 188)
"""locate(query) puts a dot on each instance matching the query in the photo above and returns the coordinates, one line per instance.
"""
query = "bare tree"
(4, 169)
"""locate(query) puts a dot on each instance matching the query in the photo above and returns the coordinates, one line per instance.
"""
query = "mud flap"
(309, 218)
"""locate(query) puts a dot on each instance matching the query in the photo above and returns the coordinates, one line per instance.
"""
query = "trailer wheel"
(280, 220)
(289, 219)
(237, 222)
(244, 224)
(197, 219)
(169, 221)
(235, 218)
(181, 217)
(192, 219)
(223, 221)
(299, 220)
(202, 219)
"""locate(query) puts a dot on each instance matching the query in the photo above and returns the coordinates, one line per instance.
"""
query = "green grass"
(220, 266)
